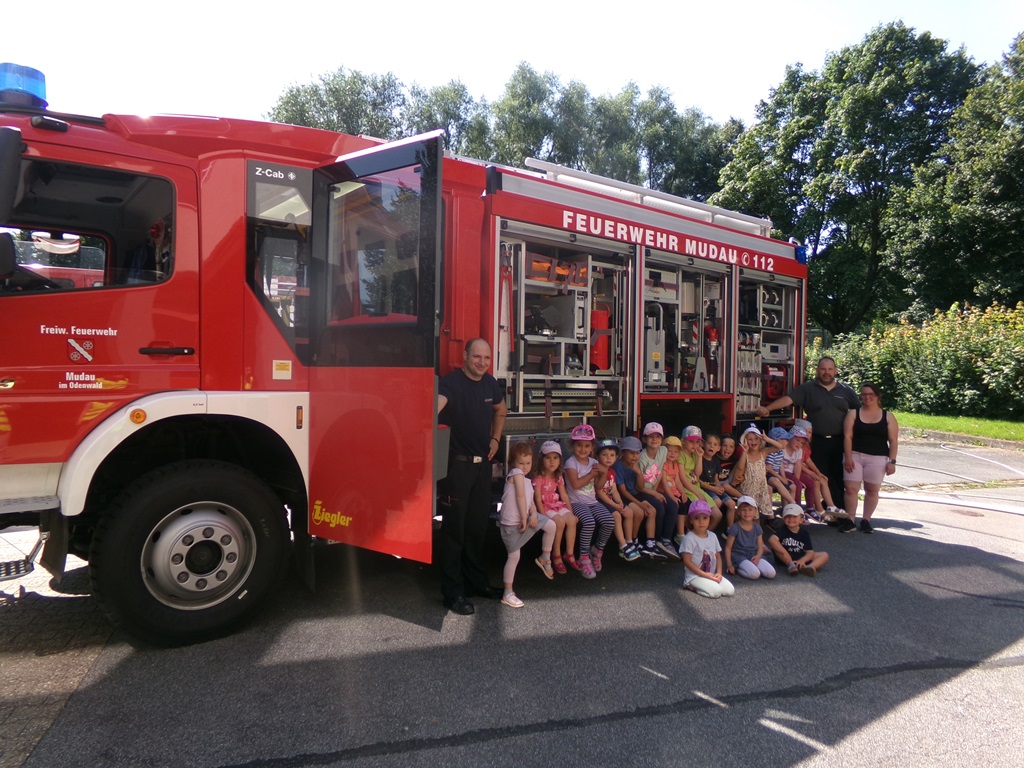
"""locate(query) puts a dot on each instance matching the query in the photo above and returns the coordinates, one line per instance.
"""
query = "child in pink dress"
(553, 501)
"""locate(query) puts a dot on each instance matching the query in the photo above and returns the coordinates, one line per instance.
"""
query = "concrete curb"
(952, 437)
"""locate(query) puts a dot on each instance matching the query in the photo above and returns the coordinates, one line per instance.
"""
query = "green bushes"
(963, 362)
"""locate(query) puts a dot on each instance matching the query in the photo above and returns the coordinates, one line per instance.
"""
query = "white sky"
(235, 59)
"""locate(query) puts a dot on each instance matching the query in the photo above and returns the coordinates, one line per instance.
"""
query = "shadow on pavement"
(625, 669)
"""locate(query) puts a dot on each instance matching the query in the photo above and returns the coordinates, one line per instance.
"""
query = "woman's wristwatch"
(892, 461)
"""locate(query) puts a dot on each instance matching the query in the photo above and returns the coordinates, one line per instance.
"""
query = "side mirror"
(10, 169)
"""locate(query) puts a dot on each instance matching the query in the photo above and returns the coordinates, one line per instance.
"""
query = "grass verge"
(962, 425)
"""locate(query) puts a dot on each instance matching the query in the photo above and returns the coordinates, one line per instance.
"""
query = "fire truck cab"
(232, 349)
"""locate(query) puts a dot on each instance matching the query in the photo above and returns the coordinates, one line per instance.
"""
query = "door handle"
(167, 351)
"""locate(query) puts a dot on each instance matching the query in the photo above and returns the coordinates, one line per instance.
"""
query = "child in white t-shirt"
(702, 558)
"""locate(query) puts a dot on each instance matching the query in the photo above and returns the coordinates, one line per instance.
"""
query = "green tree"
(832, 148)
(524, 116)
(452, 108)
(958, 233)
(613, 146)
(347, 102)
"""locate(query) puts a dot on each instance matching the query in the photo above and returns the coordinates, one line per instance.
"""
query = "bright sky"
(235, 59)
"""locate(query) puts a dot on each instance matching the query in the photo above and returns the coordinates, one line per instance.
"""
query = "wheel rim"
(198, 555)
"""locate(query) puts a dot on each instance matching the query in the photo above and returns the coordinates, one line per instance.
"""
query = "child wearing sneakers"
(608, 494)
(808, 479)
(583, 475)
(744, 547)
(626, 478)
(792, 544)
(701, 554)
(520, 520)
(650, 470)
(553, 502)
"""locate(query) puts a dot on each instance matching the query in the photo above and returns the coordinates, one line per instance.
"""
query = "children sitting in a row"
(630, 486)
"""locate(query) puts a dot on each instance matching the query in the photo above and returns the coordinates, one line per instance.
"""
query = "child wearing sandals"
(701, 552)
(553, 502)
(744, 547)
(624, 513)
(583, 475)
(520, 520)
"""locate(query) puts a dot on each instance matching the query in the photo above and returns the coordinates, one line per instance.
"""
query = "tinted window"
(81, 227)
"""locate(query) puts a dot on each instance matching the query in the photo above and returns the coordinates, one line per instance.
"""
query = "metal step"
(15, 569)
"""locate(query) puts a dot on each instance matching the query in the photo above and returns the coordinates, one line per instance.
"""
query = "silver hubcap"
(198, 555)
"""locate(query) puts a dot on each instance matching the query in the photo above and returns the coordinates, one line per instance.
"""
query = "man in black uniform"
(471, 403)
(826, 402)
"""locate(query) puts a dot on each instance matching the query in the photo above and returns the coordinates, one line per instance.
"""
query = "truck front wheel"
(188, 551)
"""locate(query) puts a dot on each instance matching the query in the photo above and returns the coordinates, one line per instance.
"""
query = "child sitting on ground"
(520, 520)
(744, 547)
(553, 502)
(792, 544)
(701, 555)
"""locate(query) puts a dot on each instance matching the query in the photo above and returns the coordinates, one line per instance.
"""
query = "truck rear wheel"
(188, 551)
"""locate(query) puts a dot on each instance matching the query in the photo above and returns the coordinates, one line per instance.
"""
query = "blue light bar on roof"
(22, 85)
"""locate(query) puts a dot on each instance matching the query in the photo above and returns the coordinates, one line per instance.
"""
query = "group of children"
(663, 498)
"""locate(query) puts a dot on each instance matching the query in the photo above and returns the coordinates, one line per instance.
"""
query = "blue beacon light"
(22, 85)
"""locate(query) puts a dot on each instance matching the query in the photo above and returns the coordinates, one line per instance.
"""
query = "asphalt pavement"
(906, 650)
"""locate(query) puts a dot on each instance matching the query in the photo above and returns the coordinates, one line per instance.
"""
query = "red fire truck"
(252, 365)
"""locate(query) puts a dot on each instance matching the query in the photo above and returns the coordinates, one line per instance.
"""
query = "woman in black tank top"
(870, 442)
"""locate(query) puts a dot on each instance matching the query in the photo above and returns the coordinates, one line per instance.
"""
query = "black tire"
(188, 551)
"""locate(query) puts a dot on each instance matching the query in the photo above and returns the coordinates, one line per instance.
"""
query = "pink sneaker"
(588, 568)
(595, 558)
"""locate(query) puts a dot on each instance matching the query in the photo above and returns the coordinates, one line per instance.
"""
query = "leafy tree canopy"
(832, 148)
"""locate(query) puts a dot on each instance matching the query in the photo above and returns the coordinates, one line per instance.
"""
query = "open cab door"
(374, 319)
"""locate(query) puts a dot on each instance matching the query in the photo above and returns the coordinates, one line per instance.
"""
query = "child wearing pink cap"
(583, 475)
(701, 552)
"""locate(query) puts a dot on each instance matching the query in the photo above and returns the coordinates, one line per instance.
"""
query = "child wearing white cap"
(553, 502)
(792, 545)
(650, 476)
(744, 547)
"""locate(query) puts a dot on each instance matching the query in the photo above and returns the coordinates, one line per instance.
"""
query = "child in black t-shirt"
(792, 544)
(711, 480)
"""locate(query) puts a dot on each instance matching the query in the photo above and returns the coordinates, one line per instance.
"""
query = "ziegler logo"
(332, 519)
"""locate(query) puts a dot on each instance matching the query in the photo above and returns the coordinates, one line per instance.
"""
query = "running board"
(28, 504)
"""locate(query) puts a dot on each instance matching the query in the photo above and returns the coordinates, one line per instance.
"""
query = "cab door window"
(78, 227)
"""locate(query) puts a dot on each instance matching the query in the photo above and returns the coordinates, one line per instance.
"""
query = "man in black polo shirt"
(826, 403)
(471, 403)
